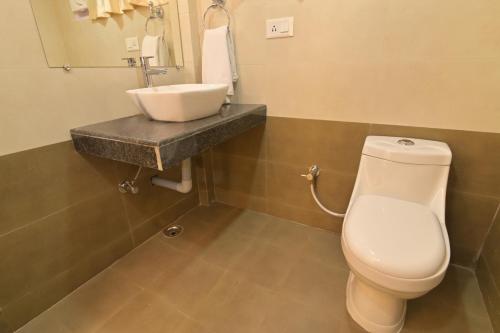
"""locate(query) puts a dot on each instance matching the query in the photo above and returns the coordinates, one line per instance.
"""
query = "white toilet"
(394, 236)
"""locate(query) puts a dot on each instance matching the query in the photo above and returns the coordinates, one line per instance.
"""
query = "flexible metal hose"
(326, 210)
(311, 176)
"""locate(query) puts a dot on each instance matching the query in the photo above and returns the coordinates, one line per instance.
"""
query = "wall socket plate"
(132, 44)
(279, 27)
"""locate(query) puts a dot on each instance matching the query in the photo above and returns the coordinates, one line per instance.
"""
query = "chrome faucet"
(147, 71)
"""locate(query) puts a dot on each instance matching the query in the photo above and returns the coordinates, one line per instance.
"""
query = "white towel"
(150, 48)
(164, 52)
(218, 64)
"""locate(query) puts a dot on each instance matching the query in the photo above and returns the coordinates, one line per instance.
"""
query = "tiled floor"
(241, 271)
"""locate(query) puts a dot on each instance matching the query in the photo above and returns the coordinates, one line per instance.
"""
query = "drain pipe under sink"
(184, 186)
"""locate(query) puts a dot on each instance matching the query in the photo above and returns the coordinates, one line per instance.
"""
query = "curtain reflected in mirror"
(99, 33)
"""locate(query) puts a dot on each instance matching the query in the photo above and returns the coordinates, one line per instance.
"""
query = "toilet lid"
(395, 237)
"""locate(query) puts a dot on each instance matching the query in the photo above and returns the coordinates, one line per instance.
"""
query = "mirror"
(99, 33)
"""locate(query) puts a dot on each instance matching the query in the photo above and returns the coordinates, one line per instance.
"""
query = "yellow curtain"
(143, 3)
(97, 9)
(116, 7)
(104, 8)
(125, 5)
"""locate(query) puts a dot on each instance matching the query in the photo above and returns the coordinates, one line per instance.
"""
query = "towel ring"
(155, 12)
(162, 26)
(217, 4)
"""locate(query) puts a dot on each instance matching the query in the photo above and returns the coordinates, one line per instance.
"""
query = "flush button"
(406, 142)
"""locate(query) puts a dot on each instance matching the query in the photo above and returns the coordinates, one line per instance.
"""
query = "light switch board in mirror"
(99, 33)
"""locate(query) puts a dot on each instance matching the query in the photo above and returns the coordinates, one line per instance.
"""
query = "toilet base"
(374, 310)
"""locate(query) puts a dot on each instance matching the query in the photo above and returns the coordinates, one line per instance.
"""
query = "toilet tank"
(408, 169)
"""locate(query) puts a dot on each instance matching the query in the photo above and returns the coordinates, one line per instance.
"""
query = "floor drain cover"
(173, 231)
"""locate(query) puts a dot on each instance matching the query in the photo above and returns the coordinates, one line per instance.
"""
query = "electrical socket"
(279, 27)
(132, 44)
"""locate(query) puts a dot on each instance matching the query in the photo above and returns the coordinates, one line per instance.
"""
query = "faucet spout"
(157, 71)
(148, 72)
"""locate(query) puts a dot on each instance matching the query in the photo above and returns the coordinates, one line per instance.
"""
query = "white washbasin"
(178, 103)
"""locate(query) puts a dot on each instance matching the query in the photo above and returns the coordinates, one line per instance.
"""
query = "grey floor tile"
(91, 305)
(146, 313)
(150, 260)
(264, 264)
(233, 270)
(235, 305)
(188, 286)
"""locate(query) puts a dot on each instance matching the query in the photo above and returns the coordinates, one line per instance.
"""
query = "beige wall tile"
(488, 271)
(250, 88)
(204, 170)
(45, 295)
(153, 225)
(490, 291)
(468, 219)
(251, 144)
(437, 94)
(151, 200)
(292, 145)
(241, 200)
(58, 242)
(240, 174)
(421, 65)
(474, 165)
(285, 185)
(50, 184)
(491, 251)
(313, 217)
(4, 327)
(64, 221)
(40, 105)
(301, 143)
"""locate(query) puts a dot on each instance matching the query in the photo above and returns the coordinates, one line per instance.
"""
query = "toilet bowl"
(394, 235)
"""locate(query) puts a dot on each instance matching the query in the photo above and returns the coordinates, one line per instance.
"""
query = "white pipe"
(183, 187)
(313, 191)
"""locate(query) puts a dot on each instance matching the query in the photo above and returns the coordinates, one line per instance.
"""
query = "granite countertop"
(154, 144)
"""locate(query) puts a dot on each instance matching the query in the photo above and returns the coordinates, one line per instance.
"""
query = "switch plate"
(132, 44)
(279, 27)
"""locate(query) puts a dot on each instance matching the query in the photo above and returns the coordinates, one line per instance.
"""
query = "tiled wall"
(261, 170)
(488, 273)
(416, 63)
(355, 63)
(62, 220)
(40, 104)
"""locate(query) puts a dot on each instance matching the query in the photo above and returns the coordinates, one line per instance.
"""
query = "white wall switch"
(132, 44)
(279, 27)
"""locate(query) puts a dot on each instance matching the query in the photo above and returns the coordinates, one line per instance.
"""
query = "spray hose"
(311, 176)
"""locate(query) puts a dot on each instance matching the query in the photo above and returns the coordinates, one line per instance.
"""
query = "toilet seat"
(378, 227)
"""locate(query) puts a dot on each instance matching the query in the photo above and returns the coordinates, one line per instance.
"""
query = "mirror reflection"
(100, 33)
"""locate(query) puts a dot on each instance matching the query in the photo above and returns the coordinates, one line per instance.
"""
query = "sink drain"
(173, 231)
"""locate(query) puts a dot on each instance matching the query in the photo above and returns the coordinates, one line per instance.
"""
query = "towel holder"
(155, 12)
(217, 4)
